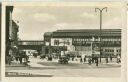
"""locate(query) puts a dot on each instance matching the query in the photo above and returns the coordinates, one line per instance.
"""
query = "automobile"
(42, 56)
(50, 58)
(63, 60)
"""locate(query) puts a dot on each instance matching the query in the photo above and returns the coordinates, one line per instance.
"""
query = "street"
(43, 68)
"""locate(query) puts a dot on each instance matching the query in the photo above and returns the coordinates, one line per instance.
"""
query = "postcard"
(64, 41)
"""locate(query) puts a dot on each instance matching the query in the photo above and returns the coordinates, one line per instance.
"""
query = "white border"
(3, 43)
(63, 79)
(124, 44)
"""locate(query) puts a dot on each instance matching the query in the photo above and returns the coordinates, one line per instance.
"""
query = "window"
(112, 50)
(74, 39)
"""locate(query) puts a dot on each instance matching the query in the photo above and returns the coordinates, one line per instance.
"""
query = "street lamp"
(100, 11)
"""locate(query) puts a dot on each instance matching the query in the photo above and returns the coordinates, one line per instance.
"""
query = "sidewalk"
(15, 64)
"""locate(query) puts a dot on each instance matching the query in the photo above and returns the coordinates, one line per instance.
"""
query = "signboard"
(96, 48)
(24, 43)
(47, 43)
(86, 53)
(96, 52)
(70, 48)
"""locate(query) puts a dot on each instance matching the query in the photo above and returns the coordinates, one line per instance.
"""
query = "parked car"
(63, 60)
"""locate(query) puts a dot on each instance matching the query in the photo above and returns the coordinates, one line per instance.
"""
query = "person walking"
(118, 59)
(93, 58)
(81, 59)
(73, 58)
(106, 59)
(111, 58)
(20, 57)
(97, 61)
(26, 57)
(85, 58)
(89, 60)
(9, 59)
(17, 58)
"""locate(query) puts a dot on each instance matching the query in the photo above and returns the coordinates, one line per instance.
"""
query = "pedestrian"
(85, 58)
(89, 60)
(97, 61)
(50, 57)
(20, 57)
(9, 59)
(17, 59)
(111, 58)
(106, 59)
(81, 60)
(17, 56)
(118, 59)
(26, 60)
(93, 59)
(72, 58)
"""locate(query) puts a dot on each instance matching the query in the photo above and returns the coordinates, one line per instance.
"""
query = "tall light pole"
(100, 11)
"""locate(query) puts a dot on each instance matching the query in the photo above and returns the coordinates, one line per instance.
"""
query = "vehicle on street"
(63, 60)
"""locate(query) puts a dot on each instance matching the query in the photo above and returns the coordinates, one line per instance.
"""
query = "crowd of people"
(19, 57)
(82, 59)
(22, 58)
(89, 59)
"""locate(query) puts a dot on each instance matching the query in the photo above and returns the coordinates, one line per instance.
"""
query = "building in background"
(47, 41)
(85, 41)
(14, 38)
(14, 34)
(11, 32)
(31, 45)
(9, 10)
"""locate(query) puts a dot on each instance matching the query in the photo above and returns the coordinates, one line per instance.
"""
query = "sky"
(34, 21)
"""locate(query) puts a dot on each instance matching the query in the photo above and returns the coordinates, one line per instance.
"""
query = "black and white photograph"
(64, 40)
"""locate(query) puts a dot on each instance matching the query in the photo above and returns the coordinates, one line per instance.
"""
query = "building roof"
(86, 32)
(89, 30)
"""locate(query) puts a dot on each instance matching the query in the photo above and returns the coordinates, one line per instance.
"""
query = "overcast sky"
(35, 20)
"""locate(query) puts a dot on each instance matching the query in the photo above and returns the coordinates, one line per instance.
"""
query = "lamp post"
(100, 11)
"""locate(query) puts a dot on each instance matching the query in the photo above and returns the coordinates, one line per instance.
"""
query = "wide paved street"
(44, 68)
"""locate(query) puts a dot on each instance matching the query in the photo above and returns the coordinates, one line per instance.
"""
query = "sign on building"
(47, 43)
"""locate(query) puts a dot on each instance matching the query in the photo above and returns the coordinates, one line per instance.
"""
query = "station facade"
(85, 41)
